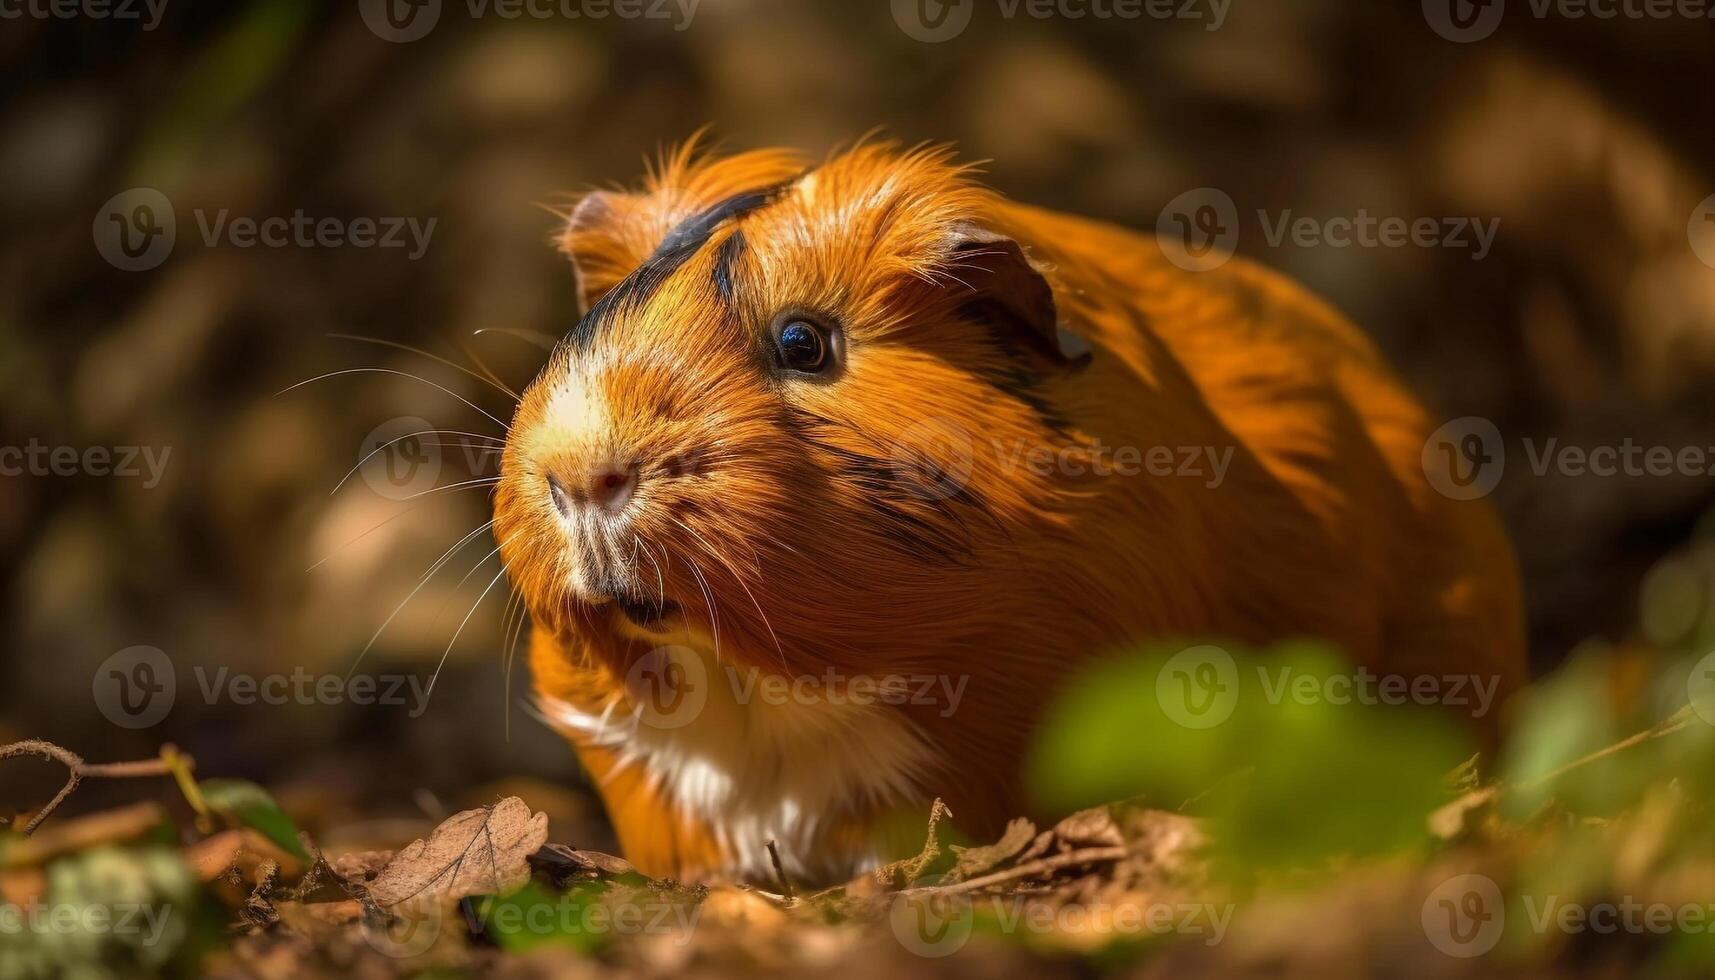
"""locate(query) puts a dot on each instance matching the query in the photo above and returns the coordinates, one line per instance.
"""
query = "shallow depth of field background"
(1592, 320)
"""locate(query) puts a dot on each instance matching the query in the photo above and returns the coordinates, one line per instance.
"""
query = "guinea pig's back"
(1325, 435)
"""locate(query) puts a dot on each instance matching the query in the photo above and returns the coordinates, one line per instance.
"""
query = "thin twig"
(780, 870)
(1089, 855)
(77, 769)
(1672, 724)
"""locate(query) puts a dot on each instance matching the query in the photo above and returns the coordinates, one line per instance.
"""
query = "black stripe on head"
(679, 245)
(729, 252)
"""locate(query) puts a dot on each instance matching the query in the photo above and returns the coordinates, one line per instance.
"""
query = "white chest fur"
(758, 759)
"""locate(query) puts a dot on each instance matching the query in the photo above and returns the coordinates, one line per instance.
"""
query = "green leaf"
(248, 805)
(535, 916)
(1284, 755)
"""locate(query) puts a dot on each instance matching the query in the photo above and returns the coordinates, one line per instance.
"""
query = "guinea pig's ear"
(593, 239)
(996, 270)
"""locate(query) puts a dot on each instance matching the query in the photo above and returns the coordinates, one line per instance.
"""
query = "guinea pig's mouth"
(649, 613)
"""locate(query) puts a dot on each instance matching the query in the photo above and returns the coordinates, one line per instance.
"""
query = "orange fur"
(801, 561)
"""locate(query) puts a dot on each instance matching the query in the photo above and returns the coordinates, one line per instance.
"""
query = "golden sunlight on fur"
(929, 506)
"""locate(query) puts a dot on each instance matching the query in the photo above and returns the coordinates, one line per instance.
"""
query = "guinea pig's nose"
(607, 486)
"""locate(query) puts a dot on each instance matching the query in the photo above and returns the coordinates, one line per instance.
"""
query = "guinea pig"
(820, 502)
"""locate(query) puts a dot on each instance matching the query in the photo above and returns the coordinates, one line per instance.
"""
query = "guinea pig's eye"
(801, 345)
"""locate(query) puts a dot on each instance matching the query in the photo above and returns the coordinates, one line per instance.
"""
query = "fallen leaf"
(1089, 828)
(1456, 818)
(567, 863)
(476, 852)
(249, 805)
(976, 860)
(245, 850)
(64, 837)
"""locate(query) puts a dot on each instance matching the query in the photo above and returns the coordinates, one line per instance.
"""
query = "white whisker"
(541, 340)
(403, 374)
(329, 557)
(483, 482)
(709, 601)
(741, 584)
(429, 692)
(426, 432)
(510, 657)
(420, 583)
(660, 581)
(491, 382)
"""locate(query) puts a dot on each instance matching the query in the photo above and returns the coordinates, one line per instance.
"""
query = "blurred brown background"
(1592, 319)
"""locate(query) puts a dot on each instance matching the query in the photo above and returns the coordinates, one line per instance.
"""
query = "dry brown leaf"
(476, 852)
(568, 862)
(976, 860)
(244, 850)
(1089, 828)
(1458, 817)
(114, 826)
